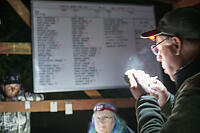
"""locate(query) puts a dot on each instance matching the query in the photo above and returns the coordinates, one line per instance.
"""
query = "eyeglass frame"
(155, 52)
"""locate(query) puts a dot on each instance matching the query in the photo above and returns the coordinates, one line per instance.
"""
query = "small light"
(152, 38)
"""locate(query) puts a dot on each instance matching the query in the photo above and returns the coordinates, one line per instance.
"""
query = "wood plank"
(169, 1)
(21, 10)
(15, 48)
(185, 3)
(93, 93)
(78, 104)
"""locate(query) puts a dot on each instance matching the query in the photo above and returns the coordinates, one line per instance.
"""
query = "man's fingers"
(155, 87)
(132, 80)
(129, 76)
(154, 93)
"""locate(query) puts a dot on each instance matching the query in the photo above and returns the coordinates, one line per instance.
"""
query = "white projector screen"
(83, 46)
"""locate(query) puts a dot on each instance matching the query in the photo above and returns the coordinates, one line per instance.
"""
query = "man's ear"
(177, 45)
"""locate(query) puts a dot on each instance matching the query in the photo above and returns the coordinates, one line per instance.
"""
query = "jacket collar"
(185, 72)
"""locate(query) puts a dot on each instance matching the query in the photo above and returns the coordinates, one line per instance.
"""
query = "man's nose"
(12, 88)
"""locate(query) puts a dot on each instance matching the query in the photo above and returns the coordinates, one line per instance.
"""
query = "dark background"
(13, 29)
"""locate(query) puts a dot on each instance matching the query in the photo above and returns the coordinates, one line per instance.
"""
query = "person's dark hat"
(182, 22)
(11, 78)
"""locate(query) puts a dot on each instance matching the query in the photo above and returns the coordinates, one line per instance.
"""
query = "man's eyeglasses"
(154, 47)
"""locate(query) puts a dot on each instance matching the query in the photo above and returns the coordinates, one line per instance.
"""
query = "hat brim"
(150, 33)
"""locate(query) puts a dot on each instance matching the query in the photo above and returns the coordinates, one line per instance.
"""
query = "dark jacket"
(182, 111)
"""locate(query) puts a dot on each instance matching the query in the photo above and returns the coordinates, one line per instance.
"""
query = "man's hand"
(159, 91)
(138, 82)
(141, 83)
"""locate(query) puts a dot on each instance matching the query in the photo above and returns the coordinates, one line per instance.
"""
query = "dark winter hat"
(183, 22)
(11, 78)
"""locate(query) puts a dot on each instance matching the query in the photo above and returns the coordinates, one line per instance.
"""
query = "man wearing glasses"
(178, 50)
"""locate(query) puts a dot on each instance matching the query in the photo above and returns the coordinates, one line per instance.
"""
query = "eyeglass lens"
(105, 118)
(154, 47)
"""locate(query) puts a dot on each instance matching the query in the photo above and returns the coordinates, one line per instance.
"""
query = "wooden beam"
(169, 1)
(185, 3)
(21, 10)
(93, 93)
(81, 104)
(15, 48)
(180, 3)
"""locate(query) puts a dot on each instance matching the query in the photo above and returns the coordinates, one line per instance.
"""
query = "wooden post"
(21, 10)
